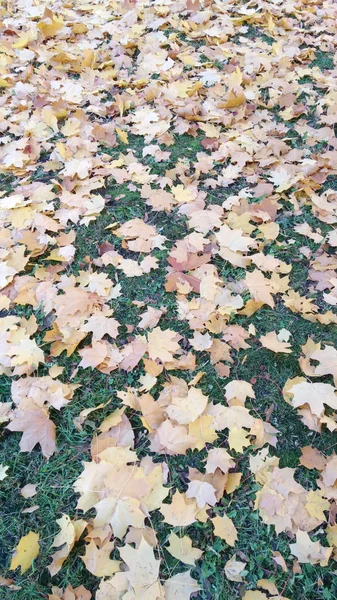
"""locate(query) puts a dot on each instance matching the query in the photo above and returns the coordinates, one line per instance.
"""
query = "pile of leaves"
(168, 210)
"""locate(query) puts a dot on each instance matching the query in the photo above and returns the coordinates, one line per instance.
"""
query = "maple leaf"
(331, 535)
(29, 490)
(203, 492)
(272, 342)
(255, 595)
(181, 548)
(173, 439)
(150, 318)
(36, 427)
(70, 532)
(101, 325)
(260, 287)
(142, 564)
(233, 239)
(328, 361)
(180, 512)
(316, 505)
(237, 439)
(186, 410)
(279, 560)
(120, 513)
(26, 551)
(225, 529)
(307, 551)
(98, 561)
(218, 458)
(312, 458)
(3, 472)
(314, 394)
(180, 586)
(26, 356)
(239, 390)
(163, 344)
(201, 432)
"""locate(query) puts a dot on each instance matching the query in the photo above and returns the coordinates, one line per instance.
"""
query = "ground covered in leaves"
(168, 339)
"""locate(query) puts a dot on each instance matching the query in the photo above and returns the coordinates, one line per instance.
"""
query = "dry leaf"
(26, 551)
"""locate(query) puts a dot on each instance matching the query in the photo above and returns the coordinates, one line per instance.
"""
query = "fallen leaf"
(225, 529)
(26, 551)
(181, 548)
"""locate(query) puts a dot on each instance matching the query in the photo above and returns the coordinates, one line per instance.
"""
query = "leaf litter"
(82, 86)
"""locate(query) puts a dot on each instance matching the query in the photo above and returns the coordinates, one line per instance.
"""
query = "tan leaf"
(180, 512)
(142, 564)
(225, 529)
(312, 458)
(163, 344)
(271, 341)
(309, 552)
(181, 548)
(98, 561)
(180, 587)
(36, 427)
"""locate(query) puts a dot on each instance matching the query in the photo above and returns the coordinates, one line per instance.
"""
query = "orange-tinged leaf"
(37, 428)
(312, 458)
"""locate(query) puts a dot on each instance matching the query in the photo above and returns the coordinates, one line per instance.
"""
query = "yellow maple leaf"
(181, 548)
(225, 529)
(123, 136)
(237, 439)
(26, 551)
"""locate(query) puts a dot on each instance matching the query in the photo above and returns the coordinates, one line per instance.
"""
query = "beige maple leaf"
(29, 490)
(163, 344)
(307, 551)
(225, 529)
(328, 361)
(270, 340)
(181, 548)
(142, 564)
(180, 586)
(314, 394)
(36, 427)
(120, 513)
(181, 512)
(203, 492)
(260, 287)
(239, 390)
(218, 458)
(98, 561)
(188, 409)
